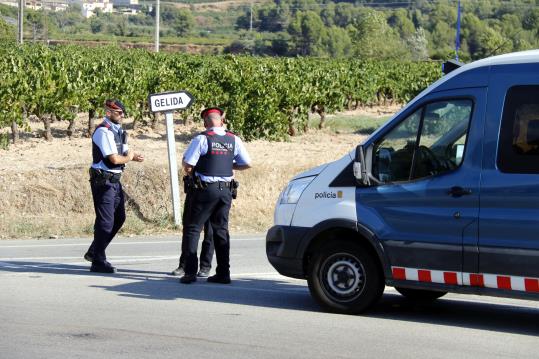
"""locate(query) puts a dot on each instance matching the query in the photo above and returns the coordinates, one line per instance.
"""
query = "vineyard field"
(264, 98)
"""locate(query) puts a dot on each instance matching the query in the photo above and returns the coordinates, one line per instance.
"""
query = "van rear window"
(518, 150)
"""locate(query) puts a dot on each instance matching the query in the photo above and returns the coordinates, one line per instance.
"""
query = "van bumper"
(282, 244)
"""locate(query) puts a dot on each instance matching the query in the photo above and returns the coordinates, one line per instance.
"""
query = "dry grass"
(44, 189)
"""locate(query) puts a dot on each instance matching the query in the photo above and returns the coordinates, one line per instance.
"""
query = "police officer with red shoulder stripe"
(110, 154)
(211, 158)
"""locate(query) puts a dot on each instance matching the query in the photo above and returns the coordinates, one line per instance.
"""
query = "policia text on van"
(443, 198)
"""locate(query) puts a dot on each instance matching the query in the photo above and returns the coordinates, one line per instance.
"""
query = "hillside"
(382, 29)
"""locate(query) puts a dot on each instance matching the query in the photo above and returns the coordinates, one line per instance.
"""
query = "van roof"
(507, 59)
(530, 56)
(522, 57)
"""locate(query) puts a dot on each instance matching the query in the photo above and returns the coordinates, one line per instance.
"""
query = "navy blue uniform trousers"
(206, 253)
(213, 204)
(109, 205)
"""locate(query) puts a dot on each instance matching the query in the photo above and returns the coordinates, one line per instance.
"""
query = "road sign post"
(168, 102)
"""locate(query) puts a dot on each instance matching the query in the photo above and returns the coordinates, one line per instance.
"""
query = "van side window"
(518, 149)
(429, 142)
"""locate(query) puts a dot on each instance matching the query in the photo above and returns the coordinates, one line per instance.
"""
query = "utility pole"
(21, 11)
(156, 25)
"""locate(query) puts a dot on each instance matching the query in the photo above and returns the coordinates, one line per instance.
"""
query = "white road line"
(177, 242)
(79, 257)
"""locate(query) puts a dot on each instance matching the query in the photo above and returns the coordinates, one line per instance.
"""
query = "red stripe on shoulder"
(104, 124)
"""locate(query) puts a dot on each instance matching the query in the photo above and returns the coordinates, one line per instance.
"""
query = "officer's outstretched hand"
(137, 157)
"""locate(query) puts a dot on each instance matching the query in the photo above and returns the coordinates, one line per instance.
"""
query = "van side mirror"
(360, 167)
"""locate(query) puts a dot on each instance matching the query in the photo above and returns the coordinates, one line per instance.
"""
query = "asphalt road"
(51, 306)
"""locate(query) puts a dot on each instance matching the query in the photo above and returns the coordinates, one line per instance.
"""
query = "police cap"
(209, 110)
(115, 105)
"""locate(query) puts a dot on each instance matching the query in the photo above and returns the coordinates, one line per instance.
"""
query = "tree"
(337, 42)
(307, 32)
(183, 22)
(6, 31)
(96, 24)
(399, 20)
(38, 24)
(374, 38)
(417, 43)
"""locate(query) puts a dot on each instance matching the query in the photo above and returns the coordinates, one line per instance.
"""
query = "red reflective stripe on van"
(399, 273)
(504, 282)
(424, 275)
(450, 278)
(477, 280)
(531, 285)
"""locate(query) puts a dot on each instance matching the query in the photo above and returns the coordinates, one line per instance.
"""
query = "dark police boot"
(102, 267)
(188, 278)
(204, 272)
(221, 279)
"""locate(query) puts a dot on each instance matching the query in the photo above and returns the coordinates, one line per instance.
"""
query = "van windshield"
(429, 142)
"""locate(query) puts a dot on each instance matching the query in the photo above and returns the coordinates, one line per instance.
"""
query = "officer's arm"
(240, 167)
(117, 159)
(242, 160)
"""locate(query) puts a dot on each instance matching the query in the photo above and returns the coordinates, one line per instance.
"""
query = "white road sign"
(170, 101)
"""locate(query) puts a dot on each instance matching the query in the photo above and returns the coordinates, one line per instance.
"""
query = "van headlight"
(295, 188)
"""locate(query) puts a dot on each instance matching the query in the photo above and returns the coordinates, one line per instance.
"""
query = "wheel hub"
(343, 276)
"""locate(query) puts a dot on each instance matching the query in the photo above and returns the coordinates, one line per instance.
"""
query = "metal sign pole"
(173, 168)
(169, 102)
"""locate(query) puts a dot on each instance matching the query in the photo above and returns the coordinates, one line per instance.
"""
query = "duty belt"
(191, 183)
(218, 183)
(100, 175)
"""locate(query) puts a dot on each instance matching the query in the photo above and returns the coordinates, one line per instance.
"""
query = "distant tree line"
(414, 29)
(369, 29)
(41, 25)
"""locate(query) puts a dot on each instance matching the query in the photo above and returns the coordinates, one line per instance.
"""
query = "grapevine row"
(263, 97)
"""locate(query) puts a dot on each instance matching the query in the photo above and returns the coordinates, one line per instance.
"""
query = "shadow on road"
(270, 293)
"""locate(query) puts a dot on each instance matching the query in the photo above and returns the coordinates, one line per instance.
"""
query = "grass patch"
(360, 124)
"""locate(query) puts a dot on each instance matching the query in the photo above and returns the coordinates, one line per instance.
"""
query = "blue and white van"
(442, 198)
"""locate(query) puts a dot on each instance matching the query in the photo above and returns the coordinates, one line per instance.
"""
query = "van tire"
(344, 277)
(420, 295)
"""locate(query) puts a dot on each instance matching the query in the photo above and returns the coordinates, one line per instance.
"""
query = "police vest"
(119, 140)
(218, 161)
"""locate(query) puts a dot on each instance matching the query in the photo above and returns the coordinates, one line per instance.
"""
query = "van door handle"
(458, 191)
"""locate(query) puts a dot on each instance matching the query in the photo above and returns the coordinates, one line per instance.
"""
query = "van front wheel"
(345, 278)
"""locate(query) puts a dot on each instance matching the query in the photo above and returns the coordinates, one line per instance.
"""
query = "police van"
(444, 197)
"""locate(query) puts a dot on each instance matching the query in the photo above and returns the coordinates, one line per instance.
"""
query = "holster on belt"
(190, 183)
(100, 177)
(234, 188)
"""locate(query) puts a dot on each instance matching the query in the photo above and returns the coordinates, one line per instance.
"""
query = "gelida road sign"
(170, 101)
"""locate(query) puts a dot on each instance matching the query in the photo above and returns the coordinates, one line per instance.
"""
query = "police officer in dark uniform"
(210, 159)
(110, 154)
